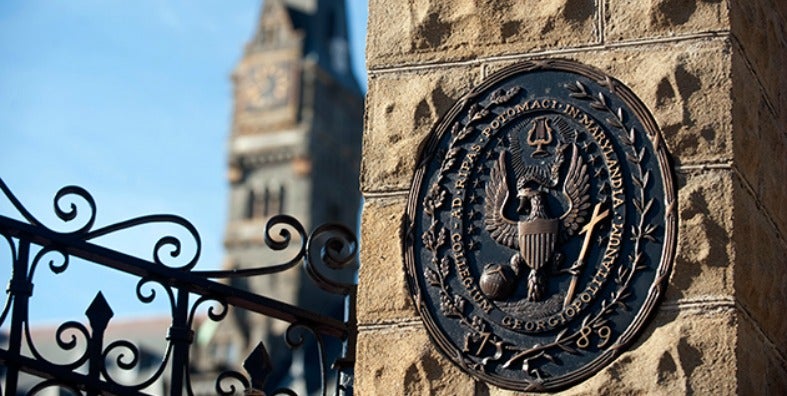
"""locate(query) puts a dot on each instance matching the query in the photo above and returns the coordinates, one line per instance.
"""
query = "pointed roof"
(274, 29)
(319, 26)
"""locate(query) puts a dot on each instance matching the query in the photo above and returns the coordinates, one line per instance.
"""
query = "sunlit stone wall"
(711, 72)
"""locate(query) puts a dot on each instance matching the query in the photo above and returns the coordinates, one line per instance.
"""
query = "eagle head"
(530, 200)
(525, 194)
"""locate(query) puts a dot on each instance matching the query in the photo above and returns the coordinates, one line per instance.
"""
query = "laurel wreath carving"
(434, 238)
(642, 231)
(641, 204)
(478, 112)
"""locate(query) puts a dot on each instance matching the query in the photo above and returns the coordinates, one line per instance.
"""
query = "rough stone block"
(759, 142)
(760, 28)
(382, 290)
(400, 111)
(403, 361)
(387, 31)
(773, 190)
(678, 354)
(761, 371)
(704, 261)
(636, 19)
(760, 276)
(746, 120)
(685, 85)
(435, 30)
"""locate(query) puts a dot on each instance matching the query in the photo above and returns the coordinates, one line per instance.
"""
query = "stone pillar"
(712, 74)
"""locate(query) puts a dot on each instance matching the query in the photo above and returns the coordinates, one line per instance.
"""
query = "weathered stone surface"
(400, 111)
(678, 354)
(760, 142)
(747, 114)
(760, 276)
(704, 259)
(721, 102)
(772, 191)
(685, 85)
(760, 28)
(635, 19)
(761, 371)
(426, 31)
(403, 361)
(382, 290)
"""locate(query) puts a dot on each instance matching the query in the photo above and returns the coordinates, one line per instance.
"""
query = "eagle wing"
(502, 229)
(576, 190)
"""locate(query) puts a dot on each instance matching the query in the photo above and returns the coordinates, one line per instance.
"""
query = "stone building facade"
(294, 149)
(711, 74)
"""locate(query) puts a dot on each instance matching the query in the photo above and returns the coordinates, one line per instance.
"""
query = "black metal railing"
(91, 370)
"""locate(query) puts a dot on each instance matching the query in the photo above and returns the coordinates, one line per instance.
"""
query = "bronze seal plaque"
(540, 225)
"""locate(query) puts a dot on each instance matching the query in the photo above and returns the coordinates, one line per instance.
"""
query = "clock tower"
(294, 148)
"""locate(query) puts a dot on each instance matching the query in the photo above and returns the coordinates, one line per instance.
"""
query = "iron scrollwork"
(33, 244)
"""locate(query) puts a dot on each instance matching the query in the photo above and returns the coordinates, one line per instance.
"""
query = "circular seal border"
(429, 149)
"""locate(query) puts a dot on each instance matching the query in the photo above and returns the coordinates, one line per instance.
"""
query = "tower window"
(281, 199)
(258, 203)
(273, 201)
(267, 202)
(251, 203)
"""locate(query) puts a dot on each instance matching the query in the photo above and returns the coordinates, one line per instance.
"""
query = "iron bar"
(19, 289)
(166, 275)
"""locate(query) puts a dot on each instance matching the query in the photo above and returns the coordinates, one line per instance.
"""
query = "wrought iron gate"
(32, 245)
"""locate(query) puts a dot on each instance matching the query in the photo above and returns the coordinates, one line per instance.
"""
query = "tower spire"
(274, 29)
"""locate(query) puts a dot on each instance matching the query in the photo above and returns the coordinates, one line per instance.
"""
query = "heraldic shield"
(537, 240)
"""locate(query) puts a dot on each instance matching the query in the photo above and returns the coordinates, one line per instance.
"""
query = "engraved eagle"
(534, 234)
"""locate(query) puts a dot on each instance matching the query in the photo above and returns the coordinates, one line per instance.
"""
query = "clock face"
(265, 86)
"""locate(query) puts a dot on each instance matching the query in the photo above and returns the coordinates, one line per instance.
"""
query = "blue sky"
(130, 100)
